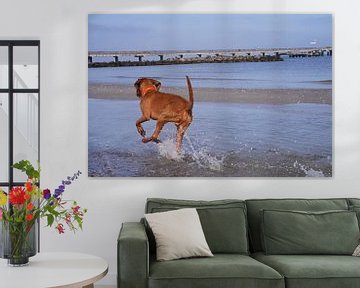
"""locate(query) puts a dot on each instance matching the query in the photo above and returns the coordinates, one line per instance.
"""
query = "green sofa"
(234, 230)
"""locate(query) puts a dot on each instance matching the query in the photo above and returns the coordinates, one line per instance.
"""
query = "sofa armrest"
(133, 256)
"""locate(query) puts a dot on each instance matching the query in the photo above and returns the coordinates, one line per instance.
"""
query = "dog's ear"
(137, 83)
(137, 86)
(156, 83)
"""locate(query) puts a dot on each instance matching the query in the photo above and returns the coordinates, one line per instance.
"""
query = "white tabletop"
(45, 270)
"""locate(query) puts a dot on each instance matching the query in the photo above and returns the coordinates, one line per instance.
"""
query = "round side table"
(50, 270)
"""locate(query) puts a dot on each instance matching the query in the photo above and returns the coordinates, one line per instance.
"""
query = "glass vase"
(18, 242)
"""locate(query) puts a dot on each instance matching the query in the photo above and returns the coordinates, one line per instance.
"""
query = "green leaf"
(50, 219)
(26, 167)
(79, 221)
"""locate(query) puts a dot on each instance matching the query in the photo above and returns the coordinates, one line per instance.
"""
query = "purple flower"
(58, 192)
(68, 181)
(46, 194)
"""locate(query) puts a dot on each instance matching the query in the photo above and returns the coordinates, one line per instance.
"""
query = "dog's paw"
(146, 140)
(141, 131)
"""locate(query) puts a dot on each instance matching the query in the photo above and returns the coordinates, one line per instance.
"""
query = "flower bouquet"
(21, 208)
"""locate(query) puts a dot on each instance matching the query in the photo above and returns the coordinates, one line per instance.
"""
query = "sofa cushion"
(254, 216)
(223, 221)
(313, 271)
(297, 232)
(222, 270)
(353, 201)
(178, 234)
(354, 205)
(356, 209)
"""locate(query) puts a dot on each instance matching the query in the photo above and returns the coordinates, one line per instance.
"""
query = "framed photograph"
(210, 95)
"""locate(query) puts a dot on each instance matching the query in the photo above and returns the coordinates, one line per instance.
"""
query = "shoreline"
(255, 96)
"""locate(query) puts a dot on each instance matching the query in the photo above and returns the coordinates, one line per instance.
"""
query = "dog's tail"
(191, 93)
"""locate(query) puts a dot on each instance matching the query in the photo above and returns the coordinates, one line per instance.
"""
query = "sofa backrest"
(256, 205)
(223, 221)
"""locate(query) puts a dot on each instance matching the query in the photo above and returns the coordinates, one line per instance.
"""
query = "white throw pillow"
(357, 251)
(178, 234)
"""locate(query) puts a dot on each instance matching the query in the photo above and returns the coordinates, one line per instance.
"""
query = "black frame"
(10, 92)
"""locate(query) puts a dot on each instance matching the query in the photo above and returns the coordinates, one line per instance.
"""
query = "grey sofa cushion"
(297, 232)
(223, 221)
(313, 271)
(222, 270)
(353, 201)
(356, 209)
(254, 216)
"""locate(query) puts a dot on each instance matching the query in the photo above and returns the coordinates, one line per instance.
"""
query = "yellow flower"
(3, 198)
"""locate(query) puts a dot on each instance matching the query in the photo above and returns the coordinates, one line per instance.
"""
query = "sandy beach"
(263, 96)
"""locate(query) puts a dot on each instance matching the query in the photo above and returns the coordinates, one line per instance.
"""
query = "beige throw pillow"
(357, 251)
(178, 234)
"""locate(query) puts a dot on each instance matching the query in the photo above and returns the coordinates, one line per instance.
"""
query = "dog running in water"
(163, 108)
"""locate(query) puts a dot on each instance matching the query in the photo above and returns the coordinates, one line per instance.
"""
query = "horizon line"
(210, 50)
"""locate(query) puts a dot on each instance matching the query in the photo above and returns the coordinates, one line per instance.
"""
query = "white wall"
(61, 25)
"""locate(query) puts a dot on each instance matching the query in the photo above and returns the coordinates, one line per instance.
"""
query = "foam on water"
(202, 158)
(167, 149)
(309, 172)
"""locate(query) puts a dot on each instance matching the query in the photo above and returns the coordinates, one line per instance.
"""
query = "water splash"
(204, 159)
(309, 172)
(167, 149)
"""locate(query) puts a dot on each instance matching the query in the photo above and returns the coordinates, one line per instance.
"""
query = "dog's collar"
(149, 89)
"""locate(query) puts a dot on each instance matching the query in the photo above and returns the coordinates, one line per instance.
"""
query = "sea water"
(225, 139)
(303, 73)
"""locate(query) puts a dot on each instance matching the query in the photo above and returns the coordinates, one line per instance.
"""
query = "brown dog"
(164, 108)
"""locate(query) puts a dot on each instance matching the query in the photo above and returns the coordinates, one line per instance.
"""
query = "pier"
(170, 57)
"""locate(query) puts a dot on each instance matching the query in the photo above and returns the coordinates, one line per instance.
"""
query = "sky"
(121, 32)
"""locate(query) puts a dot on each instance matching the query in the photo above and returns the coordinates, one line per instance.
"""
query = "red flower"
(29, 186)
(68, 219)
(29, 217)
(75, 209)
(27, 196)
(29, 206)
(60, 228)
(17, 196)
